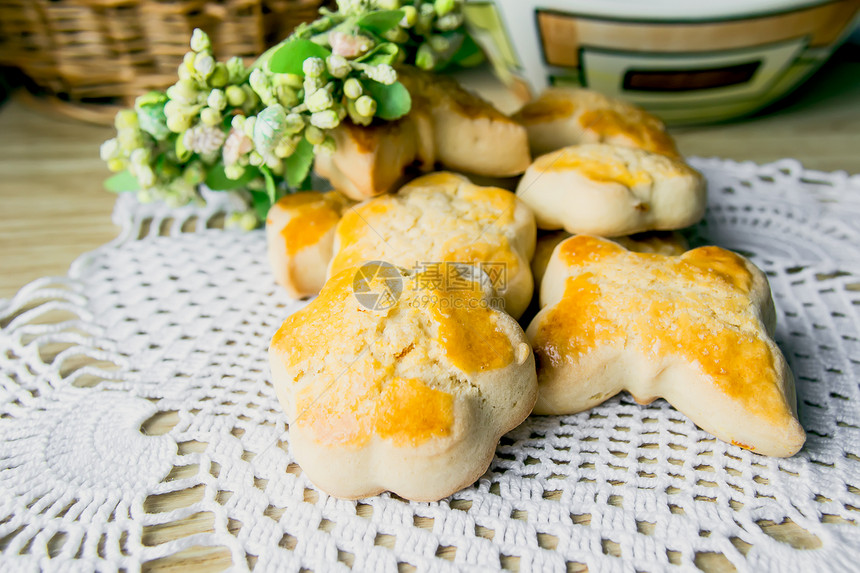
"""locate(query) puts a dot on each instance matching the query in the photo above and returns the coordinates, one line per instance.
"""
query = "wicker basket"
(94, 56)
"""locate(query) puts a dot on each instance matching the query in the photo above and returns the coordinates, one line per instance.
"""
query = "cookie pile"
(410, 364)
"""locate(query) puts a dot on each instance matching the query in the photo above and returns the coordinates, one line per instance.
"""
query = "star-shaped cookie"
(694, 329)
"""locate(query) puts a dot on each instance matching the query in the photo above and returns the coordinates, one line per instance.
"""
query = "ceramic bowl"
(688, 62)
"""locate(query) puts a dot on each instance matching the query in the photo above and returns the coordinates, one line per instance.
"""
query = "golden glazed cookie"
(446, 125)
(695, 329)
(411, 398)
(571, 116)
(299, 238)
(608, 190)
(660, 242)
(469, 134)
(439, 220)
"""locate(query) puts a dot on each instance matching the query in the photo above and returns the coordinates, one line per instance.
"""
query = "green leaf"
(263, 61)
(392, 102)
(261, 202)
(298, 165)
(469, 54)
(121, 182)
(217, 180)
(271, 188)
(290, 57)
(380, 21)
(385, 53)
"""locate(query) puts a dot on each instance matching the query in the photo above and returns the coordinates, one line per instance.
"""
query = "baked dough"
(446, 125)
(411, 399)
(608, 190)
(570, 116)
(439, 220)
(299, 238)
(469, 134)
(660, 242)
(696, 330)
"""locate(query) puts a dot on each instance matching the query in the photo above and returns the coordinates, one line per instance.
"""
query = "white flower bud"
(311, 85)
(117, 164)
(366, 106)
(294, 123)
(255, 159)
(234, 171)
(184, 91)
(425, 59)
(204, 64)
(328, 146)
(217, 100)
(410, 15)
(314, 135)
(327, 119)
(319, 100)
(220, 76)
(286, 96)
(200, 40)
(204, 139)
(129, 139)
(439, 43)
(109, 149)
(210, 117)
(259, 81)
(352, 88)
(173, 107)
(178, 123)
(450, 21)
(313, 67)
(236, 70)
(249, 125)
(338, 66)
(145, 176)
(126, 118)
(442, 7)
(383, 73)
(388, 4)
(348, 45)
(235, 96)
(139, 157)
(285, 147)
(293, 80)
(397, 35)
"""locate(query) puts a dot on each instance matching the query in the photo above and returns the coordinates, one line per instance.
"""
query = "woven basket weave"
(97, 55)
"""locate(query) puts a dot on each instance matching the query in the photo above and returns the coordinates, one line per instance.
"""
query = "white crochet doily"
(138, 427)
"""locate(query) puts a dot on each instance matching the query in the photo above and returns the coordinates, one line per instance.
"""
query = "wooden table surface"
(54, 207)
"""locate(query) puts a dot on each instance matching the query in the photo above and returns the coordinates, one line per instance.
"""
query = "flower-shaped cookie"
(446, 125)
(570, 116)
(609, 190)
(439, 221)
(299, 237)
(661, 242)
(392, 382)
(694, 329)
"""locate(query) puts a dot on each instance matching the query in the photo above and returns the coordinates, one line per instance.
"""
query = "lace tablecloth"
(137, 421)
